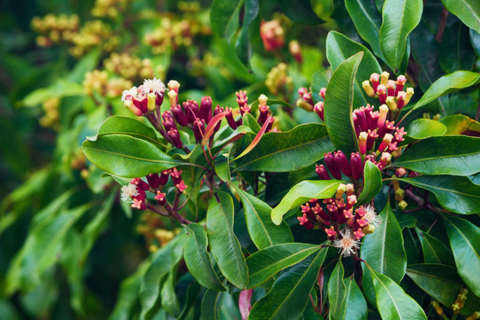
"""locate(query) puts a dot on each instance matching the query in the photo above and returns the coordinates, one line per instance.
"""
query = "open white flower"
(130, 92)
(128, 192)
(153, 85)
(347, 244)
(371, 216)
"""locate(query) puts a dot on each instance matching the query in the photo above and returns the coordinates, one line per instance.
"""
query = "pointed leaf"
(303, 192)
(467, 10)
(259, 224)
(300, 11)
(463, 57)
(224, 17)
(355, 306)
(126, 156)
(339, 104)
(256, 140)
(288, 151)
(399, 17)
(425, 128)
(289, 295)
(383, 250)
(460, 124)
(372, 178)
(264, 264)
(455, 155)
(464, 239)
(211, 304)
(224, 244)
(211, 126)
(457, 194)
(197, 258)
(336, 292)
(434, 251)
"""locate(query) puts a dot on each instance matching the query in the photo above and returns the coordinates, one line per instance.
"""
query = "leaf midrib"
(437, 158)
(442, 189)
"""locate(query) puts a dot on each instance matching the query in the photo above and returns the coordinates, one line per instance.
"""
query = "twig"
(441, 25)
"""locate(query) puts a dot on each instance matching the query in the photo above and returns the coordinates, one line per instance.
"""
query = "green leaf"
(434, 251)
(288, 151)
(223, 243)
(383, 250)
(424, 128)
(467, 10)
(289, 295)
(454, 193)
(319, 81)
(464, 239)
(372, 178)
(197, 258)
(300, 11)
(126, 156)
(399, 17)
(456, 52)
(259, 224)
(448, 84)
(168, 297)
(454, 155)
(355, 306)
(336, 292)
(271, 102)
(255, 140)
(303, 192)
(367, 21)
(61, 88)
(392, 301)
(339, 103)
(460, 124)
(162, 263)
(264, 264)
(475, 40)
(224, 17)
(243, 46)
(127, 126)
(339, 49)
(211, 304)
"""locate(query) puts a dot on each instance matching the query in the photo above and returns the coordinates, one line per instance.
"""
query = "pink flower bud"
(401, 97)
(375, 80)
(340, 191)
(270, 124)
(387, 139)
(175, 137)
(392, 105)
(179, 115)
(305, 222)
(242, 98)
(140, 183)
(133, 108)
(382, 93)
(245, 109)
(205, 110)
(332, 166)
(384, 78)
(198, 129)
(356, 165)
(410, 93)
(168, 122)
(399, 133)
(176, 175)
(191, 110)
(400, 172)
(141, 102)
(392, 147)
(308, 98)
(173, 85)
(319, 212)
(264, 113)
(322, 172)
(139, 204)
(372, 136)
(342, 163)
(331, 233)
(319, 108)
(359, 234)
(164, 177)
(391, 88)
(153, 180)
(350, 187)
(387, 128)
(362, 142)
(356, 125)
(385, 158)
(323, 91)
(161, 198)
(217, 110)
(383, 115)
(181, 186)
(351, 201)
(230, 119)
(401, 80)
(368, 113)
(362, 120)
(374, 120)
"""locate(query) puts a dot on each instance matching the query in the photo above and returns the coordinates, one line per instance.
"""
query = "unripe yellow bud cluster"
(173, 34)
(109, 8)
(188, 7)
(51, 117)
(55, 29)
(93, 34)
(208, 60)
(98, 82)
(151, 227)
(129, 67)
(278, 80)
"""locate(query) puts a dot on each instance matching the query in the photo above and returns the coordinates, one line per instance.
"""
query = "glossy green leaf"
(424, 128)
(288, 151)
(448, 84)
(168, 297)
(455, 155)
(339, 105)
(264, 264)
(383, 250)
(367, 21)
(462, 56)
(457, 194)
(61, 88)
(372, 178)
(242, 45)
(223, 243)
(319, 81)
(211, 304)
(303, 192)
(475, 40)
(392, 302)
(355, 306)
(336, 292)
(259, 224)
(197, 258)
(434, 251)
(464, 239)
(339, 49)
(126, 156)
(224, 17)
(467, 10)
(162, 262)
(399, 17)
(289, 295)
(461, 124)
(299, 11)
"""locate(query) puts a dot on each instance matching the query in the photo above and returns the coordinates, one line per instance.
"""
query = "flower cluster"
(152, 228)
(278, 80)
(387, 91)
(343, 223)
(131, 67)
(98, 82)
(109, 8)
(93, 34)
(272, 35)
(136, 191)
(52, 115)
(55, 29)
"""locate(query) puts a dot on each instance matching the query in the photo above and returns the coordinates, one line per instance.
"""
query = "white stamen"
(130, 92)
(347, 243)
(371, 216)
(128, 192)
(153, 85)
